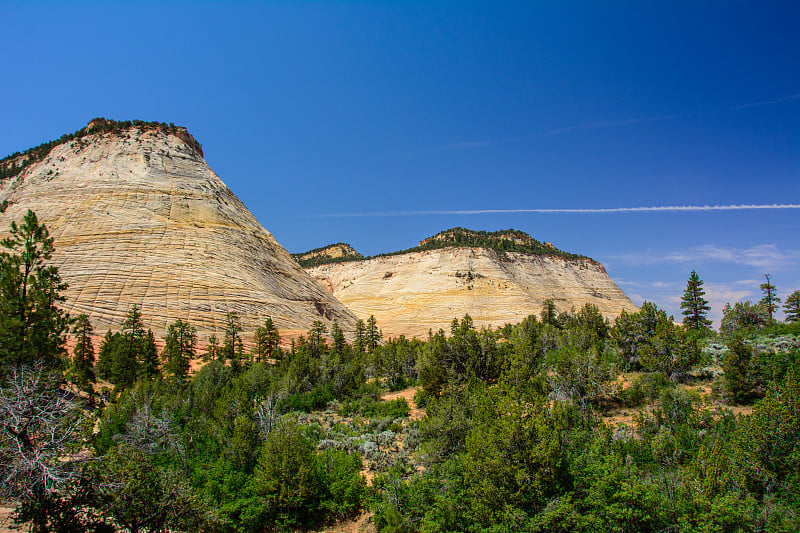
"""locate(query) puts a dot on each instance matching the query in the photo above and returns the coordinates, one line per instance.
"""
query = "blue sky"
(414, 115)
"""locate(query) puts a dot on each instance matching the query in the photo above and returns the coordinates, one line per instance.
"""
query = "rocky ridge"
(332, 253)
(412, 292)
(138, 217)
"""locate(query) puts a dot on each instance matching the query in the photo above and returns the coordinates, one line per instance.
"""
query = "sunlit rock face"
(413, 292)
(138, 217)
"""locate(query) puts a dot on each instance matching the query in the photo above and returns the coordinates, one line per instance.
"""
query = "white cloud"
(763, 256)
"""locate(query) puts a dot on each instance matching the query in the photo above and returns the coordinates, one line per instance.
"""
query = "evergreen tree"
(179, 349)
(792, 307)
(105, 359)
(694, 305)
(273, 339)
(32, 327)
(82, 368)
(742, 316)
(149, 357)
(360, 342)
(770, 300)
(549, 312)
(316, 337)
(339, 342)
(373, 334)
(213, 350)
(266, 340)
(130, 352)
(232, 347)
(259, 349)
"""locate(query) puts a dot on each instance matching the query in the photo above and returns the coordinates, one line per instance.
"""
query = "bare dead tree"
(150, 432)
(39, 433)
(267, 413)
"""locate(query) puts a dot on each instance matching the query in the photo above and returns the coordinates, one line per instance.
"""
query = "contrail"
(609, 124)
(590, 211)
(767, 102)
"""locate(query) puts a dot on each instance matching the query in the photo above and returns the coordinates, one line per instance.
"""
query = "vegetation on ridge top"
(501, 241)
(322, 255)
(10, 165)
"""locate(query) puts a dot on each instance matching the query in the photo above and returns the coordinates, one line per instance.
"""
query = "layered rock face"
(138, 217)
(417, 291)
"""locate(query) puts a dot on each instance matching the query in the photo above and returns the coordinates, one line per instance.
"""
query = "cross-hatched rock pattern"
(413, 292)
(138, 217)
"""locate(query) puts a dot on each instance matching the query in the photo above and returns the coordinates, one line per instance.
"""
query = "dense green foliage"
(517, 433)
(32, 326)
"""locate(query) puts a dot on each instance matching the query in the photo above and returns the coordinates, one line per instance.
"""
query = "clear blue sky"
(394, 110)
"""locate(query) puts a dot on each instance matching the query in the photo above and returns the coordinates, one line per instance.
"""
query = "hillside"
(502, 241)
(333, 253)
(497, 277)
(138, 217)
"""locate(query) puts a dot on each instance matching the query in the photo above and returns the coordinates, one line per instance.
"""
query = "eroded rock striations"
(138, 217)
(421, 289)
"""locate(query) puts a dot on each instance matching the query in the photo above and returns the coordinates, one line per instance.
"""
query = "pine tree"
(213, 350)
(770, 300)
(149, 357)
(373, 334)
(360, 343)
(549, 312)
(82, 368)
(695, 306)
(316, 337)
(792, 307)
(232, 347)
(266, 340)
(339, 342)
(32, 327)
(105, 360)
(179, 349)
(273, 339)
(129, 358)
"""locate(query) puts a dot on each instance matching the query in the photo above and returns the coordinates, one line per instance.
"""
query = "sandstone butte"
(414, 292)
(138, 217)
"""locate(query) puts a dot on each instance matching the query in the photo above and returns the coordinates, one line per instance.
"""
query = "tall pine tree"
(360, 341)
(82, 367)
(792, 307)
(32, 327)
(769, 303)
(695, 306)
(213, 349)
(265, 341)
(179, 349)
(373, 334)
(232, 346)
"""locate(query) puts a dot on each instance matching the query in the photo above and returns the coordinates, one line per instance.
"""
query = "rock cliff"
(410, 293)
(138, 217)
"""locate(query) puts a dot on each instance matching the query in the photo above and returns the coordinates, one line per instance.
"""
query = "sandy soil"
(362, 524)
(415, 413)
(6, 524)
